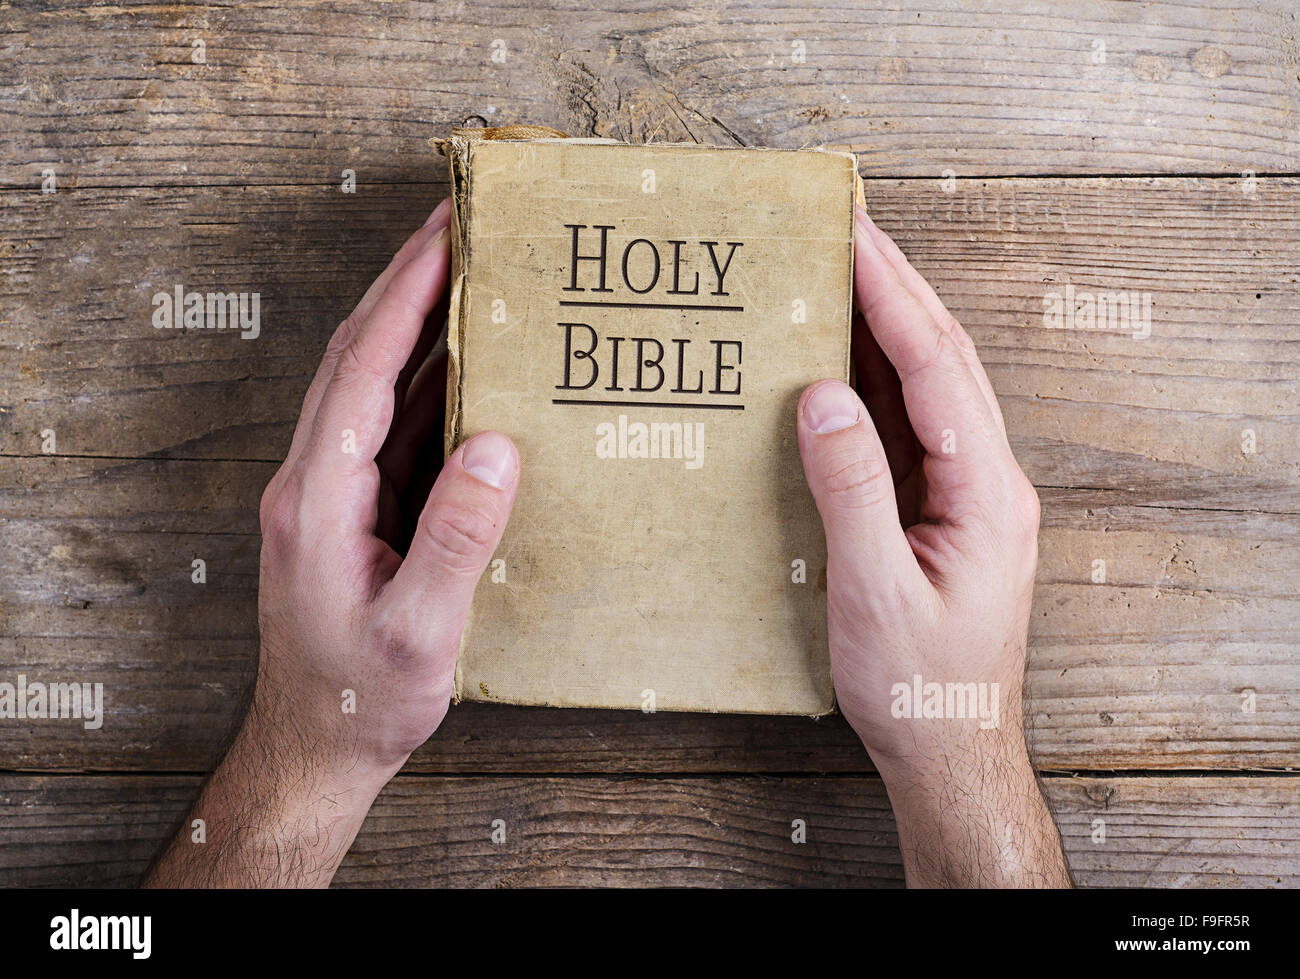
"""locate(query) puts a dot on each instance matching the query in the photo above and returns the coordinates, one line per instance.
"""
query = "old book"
(641, 321)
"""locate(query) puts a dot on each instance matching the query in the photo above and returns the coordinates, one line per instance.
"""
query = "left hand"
(370, 558)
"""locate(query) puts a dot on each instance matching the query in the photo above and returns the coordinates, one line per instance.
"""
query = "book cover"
(641, 321)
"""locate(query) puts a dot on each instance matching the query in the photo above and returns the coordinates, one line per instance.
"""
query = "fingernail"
(491, 458)
(441, 213)
(435, 242)
(831, 407)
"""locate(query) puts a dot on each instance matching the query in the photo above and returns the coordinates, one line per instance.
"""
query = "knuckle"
(927, 354)
(460, 535)
(267, 501)
(342, 337)
(393, 643)
(278, 513)
(355, 363)
(860, 603)
(349, 361)
(959, 335)
(1027, 508)
(859, 482)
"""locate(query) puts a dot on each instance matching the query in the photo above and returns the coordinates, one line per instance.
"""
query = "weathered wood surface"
(292, 93)
(1160, 418)
(225, 177)
(1144, 671)
(574, 832)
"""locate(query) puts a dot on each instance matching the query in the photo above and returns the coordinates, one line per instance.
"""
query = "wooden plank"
(732, 832)
(81, 356)
(1159, 419)
(1179, 832)
(296, 94)
(1146, 670)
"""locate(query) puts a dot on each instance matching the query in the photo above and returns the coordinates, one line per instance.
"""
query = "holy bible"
(641, 321)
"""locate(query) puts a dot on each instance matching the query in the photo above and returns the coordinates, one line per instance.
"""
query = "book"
(641, 320)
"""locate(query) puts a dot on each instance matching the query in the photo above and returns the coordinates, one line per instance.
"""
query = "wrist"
(278, 814)
(965, 755)
(275, 813)
(972, 776)
(970, 813)
(298, 769)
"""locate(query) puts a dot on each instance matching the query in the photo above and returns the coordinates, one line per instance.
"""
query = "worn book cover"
(641, 321)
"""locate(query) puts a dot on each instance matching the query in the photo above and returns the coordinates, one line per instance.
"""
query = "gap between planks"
(275, 462)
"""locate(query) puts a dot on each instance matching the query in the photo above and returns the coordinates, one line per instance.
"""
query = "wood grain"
(1159, 419)
(295, 94)
(710, 832)
(225, 176)
(1145, 671)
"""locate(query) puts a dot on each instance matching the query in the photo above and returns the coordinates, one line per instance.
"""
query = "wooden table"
(1150, 147)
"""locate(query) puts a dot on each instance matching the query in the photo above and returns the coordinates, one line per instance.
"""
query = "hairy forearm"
(973, 815)
(274, 814)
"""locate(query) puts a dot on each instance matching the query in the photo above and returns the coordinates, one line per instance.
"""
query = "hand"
(931, 533)
(367, 572)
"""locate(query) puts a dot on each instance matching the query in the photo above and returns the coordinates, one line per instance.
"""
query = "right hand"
(931, 534)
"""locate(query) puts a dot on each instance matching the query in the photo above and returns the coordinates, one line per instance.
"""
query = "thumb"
(848, 473)
(458, 532)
